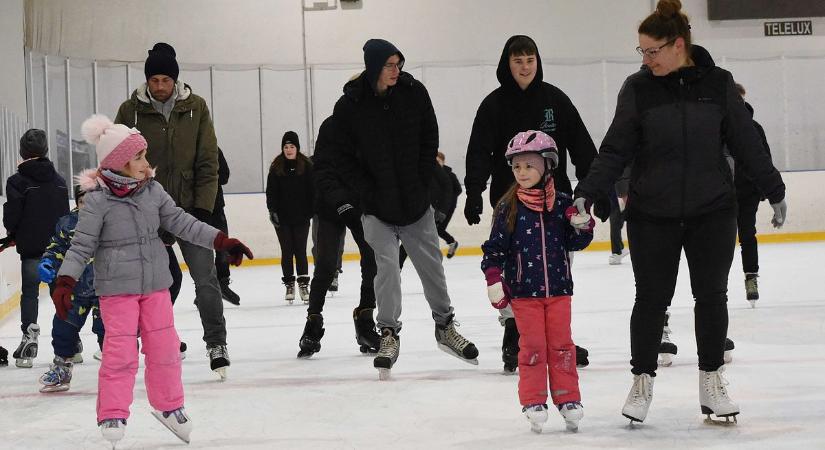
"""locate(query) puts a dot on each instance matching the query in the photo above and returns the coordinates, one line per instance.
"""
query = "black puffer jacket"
(291, 194)
(36, 198)
(456, 187)
(744, 183)
(509, 110)
(386, 146)
(674, 128)
(331, 191)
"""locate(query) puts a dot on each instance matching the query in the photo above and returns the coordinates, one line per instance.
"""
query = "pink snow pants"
(547, 352)
(123, 315)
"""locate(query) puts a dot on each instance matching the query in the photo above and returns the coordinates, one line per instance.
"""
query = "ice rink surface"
(334, 400)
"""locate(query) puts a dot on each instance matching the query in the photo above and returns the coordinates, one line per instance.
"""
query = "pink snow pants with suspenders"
(123, 315)
(547, 352)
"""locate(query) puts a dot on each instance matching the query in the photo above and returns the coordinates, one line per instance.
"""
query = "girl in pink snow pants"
(526, 264)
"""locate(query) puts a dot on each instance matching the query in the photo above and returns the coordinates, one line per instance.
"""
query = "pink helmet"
(533, 142)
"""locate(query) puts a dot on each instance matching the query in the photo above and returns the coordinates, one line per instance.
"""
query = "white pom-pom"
(94, 127)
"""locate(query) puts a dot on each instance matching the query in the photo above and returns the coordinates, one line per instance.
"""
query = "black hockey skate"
(218, 359)
(227, 293)
(451, 342)
(27, 350)
(365, 334)
(752, 288)
(667, 349)
(4, 357)
(509, 346)
(387, 354)
(581, 357)
(310, 342)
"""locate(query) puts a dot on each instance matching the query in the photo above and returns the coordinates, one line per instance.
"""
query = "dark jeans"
(221, 261)
(30, 290)
(708, 242)
(177, 275)
(616, 225)
(746, 223)
(315, 220)
(66, 333)
(327, 244)
(293, 240)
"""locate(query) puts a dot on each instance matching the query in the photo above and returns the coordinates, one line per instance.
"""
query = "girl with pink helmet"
(526, 264)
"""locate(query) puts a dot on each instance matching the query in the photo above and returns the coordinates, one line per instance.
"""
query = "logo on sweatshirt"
(549, 123)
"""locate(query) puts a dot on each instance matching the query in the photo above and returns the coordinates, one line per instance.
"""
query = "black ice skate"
(453, 343)
(365, 334)
(752, 288)
(227, 293)
(310, 342)
(4, 357)
(218, 359)
(581, 357)
(387, 354)
(509, 346)
(667, 349)
(27, 350)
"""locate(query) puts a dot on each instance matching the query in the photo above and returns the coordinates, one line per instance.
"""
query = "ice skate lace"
(389, 346)
(57, 374)
(641, 391)
(453, 338)
(715, 385)
(218, 351)
(750, 284)
(666, 334)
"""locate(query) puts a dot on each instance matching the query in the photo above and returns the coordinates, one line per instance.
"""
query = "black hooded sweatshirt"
(385, 145)
(36, 197)
(509, 110)
(675, 128)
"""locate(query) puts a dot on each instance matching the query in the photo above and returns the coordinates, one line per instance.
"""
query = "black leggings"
(656, 246)
(293, 240)
(746, 222)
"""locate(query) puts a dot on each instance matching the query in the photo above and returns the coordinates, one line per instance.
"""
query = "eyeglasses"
(653, 52)
(399, 65)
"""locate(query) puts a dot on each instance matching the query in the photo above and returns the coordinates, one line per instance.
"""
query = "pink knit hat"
(115, 144)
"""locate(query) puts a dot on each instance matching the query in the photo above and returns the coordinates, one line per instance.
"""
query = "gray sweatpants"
(420, 239)
(201, 263)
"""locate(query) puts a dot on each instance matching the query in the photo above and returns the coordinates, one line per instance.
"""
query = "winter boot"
(453, 343)
(177, 421)
(303, 288)
(27, 350)
(581, 357)
(4, 357)
(509, 346)
(572, 412)
(58, 377)
(228, 294)
(112, 430)
(713, 397)
(451, 249)
(387, 353)
(310, 342)
(639, 399)
(537, 415)
(729, 350)
(751, 288)
(365, 334)
(289, 282)
(218, 359)
(667, 349)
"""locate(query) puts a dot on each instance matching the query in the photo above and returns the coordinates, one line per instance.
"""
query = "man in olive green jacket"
(184, 151)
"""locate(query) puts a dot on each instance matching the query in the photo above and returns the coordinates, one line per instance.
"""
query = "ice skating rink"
(334, 400)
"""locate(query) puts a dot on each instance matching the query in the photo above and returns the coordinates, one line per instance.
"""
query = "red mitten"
(579, 221)
(234, 247)
(62, 295)
(496, 292)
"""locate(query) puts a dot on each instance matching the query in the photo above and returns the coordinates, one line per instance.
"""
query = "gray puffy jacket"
(121, 233)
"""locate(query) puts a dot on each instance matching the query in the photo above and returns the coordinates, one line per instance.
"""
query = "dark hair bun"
(669, 8)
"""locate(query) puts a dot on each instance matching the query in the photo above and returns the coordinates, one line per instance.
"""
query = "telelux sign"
(789, 28)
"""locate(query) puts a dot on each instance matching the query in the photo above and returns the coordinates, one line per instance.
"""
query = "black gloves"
(202, 215)
(274, 220)
(473, 209)
(349, 215)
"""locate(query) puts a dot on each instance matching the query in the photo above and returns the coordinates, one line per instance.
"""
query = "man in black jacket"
(36, 198)
(386, 141)
(523, 102)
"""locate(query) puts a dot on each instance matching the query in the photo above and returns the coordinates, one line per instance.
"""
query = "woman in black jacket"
(673, 119)
(289, 198)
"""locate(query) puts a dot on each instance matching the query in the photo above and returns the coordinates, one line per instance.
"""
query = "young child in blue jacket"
(526, 263)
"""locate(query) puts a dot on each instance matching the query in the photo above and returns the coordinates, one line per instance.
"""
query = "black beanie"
(161, 61)
(376, 54)
(290, 137)
(33, 144)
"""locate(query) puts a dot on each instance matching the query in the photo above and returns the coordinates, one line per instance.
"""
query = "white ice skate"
(572, 413)
(667, 349)
(177, 421)
(615, 259)
(112, 430)
(713, 397)
(639, 399)
(537, 415)
(98, 355)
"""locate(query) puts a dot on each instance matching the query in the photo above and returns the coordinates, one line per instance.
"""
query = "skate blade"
(508, 372)
(24, 363)
(159, 416)
(633, 420)
(367, 350)
(665, 359)
(450, 352)
(753, 303)
(98, 355)
(55, 388)
(221, 371)
(535, 428)
(384, 374)
(572, 427)
(719, 422)
(302, 355)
